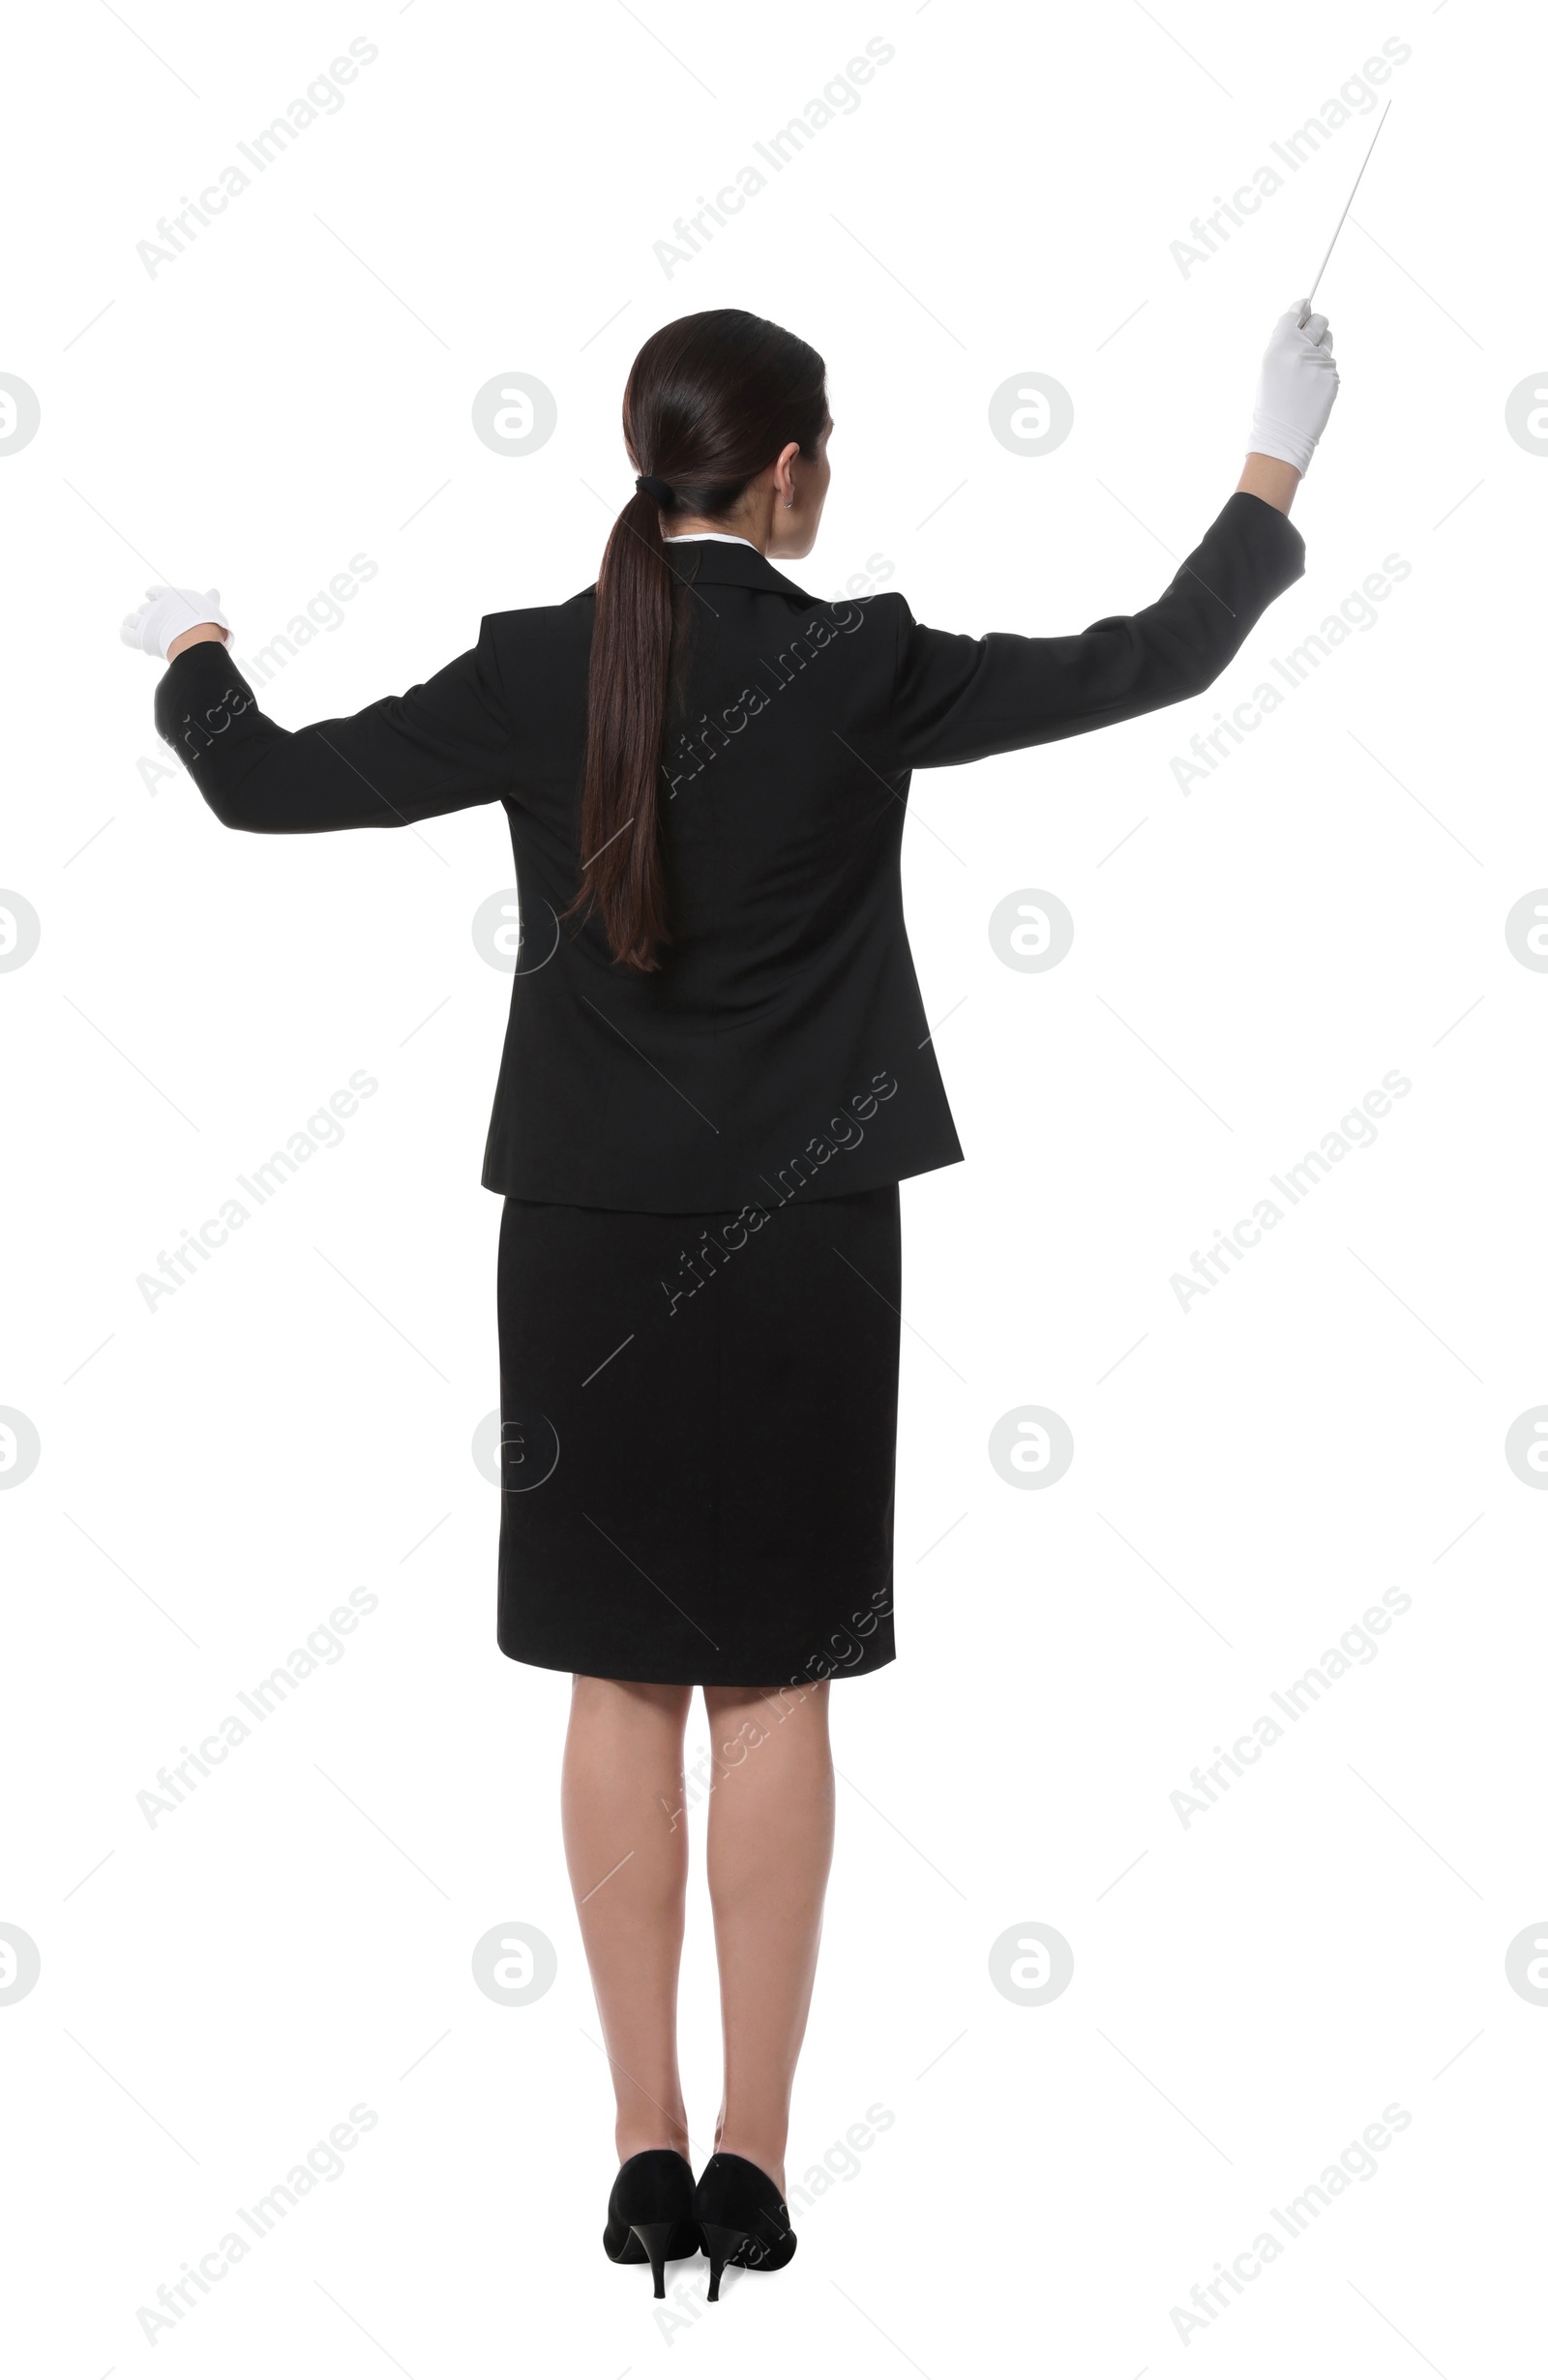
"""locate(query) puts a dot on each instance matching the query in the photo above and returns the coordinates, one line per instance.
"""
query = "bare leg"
(626, 1843)
(771, 1848)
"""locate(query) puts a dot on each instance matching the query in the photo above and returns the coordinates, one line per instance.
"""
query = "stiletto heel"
(655, 2238)
(722, 2245)
(650, 2214)
(742, 2219)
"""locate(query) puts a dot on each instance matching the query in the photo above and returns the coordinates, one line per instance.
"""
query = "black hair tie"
(658, 490)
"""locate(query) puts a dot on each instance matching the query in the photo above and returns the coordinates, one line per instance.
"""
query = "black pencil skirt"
(699, 1423)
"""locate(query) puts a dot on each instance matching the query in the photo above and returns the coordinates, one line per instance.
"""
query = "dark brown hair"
(710, 401)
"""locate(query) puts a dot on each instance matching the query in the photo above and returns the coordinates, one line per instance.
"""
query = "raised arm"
(964, 698)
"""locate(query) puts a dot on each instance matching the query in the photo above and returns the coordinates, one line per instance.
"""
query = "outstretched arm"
(963, 698)
(443, 745)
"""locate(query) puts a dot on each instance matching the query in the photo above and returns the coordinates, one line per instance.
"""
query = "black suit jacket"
(784, 1043)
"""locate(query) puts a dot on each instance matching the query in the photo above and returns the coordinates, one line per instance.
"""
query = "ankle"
(633, 2140)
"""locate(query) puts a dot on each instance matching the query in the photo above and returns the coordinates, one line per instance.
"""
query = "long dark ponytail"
(710, 401)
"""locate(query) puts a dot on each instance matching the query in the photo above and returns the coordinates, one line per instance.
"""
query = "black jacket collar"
(705, 562)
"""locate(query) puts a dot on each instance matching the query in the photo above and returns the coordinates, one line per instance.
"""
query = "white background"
(1250, 958)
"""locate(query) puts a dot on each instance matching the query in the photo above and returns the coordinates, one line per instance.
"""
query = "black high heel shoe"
(742, 2219)
(650, 2213)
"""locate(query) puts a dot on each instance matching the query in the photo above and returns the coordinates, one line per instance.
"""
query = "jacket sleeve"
(441, 746)
(965, 697)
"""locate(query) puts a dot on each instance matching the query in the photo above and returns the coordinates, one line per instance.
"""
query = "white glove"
(1296, 389)
(169, 613)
